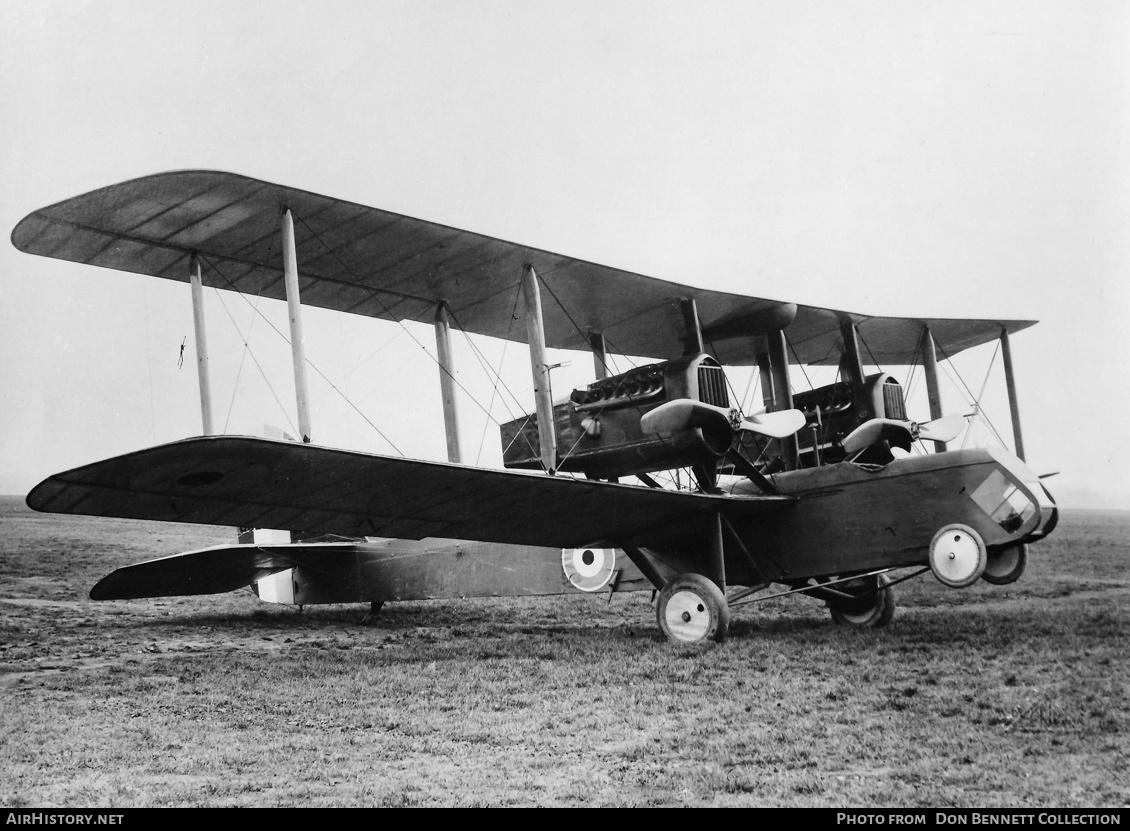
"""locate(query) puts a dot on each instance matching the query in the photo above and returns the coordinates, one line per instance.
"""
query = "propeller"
(903, 434)
(685, 413)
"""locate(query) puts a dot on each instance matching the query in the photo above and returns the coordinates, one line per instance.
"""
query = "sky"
(924, 159)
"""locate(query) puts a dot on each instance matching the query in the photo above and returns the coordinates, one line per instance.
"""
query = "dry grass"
(993, 696)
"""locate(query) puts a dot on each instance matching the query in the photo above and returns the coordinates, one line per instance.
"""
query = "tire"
(692, 609)
(878, 612)
(1005, 565)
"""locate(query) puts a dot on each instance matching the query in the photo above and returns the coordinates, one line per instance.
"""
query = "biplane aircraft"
(819, 494)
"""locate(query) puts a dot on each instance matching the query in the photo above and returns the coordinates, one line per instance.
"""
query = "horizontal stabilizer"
(216, 570)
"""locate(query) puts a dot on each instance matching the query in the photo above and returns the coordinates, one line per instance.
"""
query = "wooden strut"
(747, 469)
(1013, 406)
(543, 394)
(782, 393)
(736, 544)
(447, 383)
(930, 365)
(717, 571)
(297, 338)
(197, 281)
(692, 341)
(599, 355)
(851, 364)
(643, 562)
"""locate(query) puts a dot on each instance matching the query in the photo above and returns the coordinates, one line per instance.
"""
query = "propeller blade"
(898, 433)
(946, 428)
(684, 413)
(681, 414)
(903, 434)
(776, 425)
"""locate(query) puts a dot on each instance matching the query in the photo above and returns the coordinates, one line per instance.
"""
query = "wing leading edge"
(252, 482)
(377, 263)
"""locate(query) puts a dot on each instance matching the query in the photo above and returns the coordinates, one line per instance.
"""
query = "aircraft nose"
(1049, 512)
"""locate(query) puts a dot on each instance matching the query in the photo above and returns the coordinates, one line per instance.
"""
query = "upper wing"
(372, 262)
(250, 482)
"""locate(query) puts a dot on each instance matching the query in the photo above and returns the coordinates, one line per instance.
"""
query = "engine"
(835, 410)
(598, 428)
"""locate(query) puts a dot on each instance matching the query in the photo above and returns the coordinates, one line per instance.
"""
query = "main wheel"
(874, 607)
(692, 609)
(958, 556)
(1005, 565)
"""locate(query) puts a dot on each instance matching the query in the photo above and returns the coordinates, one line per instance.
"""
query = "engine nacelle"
(598, 428)
(835, 410)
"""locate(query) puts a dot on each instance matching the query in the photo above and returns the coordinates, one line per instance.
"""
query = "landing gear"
(374, 610)
(1005, 565)
(692, 609)
(873, 606)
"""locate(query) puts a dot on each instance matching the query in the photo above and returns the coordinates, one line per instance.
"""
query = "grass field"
(989, 697)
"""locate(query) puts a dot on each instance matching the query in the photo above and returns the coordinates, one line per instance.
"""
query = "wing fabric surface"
(373, 262)
(251, 482)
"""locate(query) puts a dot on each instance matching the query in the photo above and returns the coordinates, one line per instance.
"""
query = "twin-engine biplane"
(823, 493)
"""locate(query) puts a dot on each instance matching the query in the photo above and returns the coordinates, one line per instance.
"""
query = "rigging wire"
(247, 351)
(485, 364)
(309, 363)
(487, 368)
(797, 362)
(746, 401)
(576, 326)
(373, 293)
(870, 354)
(980, 395)
(979, 410)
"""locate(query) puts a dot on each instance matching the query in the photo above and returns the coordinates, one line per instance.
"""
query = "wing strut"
(447, 383)
(782, 393)
(297, 338)
(196, 279)
(692, 341)
(851, 364)
(930, 364)
(599, 355)
(1013, 406)
(543, 394)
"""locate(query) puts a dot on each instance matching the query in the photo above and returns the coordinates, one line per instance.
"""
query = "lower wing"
(253, 482)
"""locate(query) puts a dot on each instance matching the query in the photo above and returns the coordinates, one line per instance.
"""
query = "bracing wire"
(309, 363)
(247, 351)
(374, 294)
(951, 372)
(870, 354)
(798, 362)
